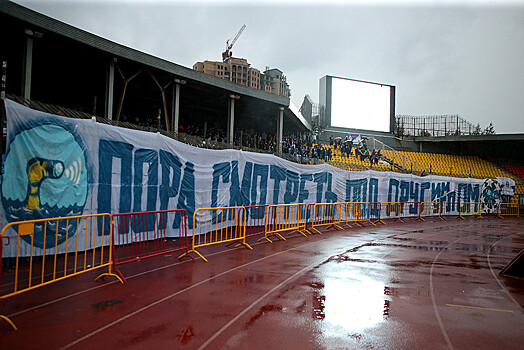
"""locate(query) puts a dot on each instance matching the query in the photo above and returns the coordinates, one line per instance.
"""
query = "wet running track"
(431, 285)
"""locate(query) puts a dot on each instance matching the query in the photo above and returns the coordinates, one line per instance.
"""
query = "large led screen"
(361, 105)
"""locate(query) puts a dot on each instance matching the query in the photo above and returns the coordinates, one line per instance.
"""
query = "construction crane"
(227, 54)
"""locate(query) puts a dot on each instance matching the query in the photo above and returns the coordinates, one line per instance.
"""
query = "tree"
(477, 130)
(490, 130)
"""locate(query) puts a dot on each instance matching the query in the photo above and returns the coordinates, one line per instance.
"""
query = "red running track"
(432, 285)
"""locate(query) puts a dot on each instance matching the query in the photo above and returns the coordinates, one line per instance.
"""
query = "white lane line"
(173, 295)
(431, 289)
(243, 312)
(116, 282)
(227, 325)
(506, 291)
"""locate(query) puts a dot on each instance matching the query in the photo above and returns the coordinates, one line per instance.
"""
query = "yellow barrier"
(348, 214)
(218, 225)
(38, 262)
(508, 209)
(430, 209)
(283, 217)
(363, 213)
(327, 214)
(469, 209)
(390, 210)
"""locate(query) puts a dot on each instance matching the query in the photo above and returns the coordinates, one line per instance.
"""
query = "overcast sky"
(444, 57)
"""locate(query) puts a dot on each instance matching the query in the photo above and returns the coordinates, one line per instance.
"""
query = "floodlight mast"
(227, 54)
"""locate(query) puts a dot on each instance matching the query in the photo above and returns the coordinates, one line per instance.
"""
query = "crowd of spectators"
(303, 147)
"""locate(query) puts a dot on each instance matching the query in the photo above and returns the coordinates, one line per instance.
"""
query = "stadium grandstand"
(133, 171)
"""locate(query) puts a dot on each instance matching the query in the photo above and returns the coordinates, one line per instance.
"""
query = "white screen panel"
(360, 105)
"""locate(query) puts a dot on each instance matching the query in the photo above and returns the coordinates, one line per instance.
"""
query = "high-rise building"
(239, 71)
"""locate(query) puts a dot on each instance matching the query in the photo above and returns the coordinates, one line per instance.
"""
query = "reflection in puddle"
(354, 304)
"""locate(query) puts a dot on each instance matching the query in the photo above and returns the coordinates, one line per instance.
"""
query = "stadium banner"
(57, 166)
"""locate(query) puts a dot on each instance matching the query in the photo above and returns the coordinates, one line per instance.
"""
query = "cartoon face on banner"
(45, 176)
(490, 196)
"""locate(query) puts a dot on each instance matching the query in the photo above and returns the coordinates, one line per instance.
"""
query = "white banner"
(57, 166)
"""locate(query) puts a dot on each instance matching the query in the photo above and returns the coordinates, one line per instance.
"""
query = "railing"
(430, 209)
(326, 215)
(508, 209)
(256, 220)
(469, 209)
(218, 225)
(147, 234)
(281, 218)
(47, 260)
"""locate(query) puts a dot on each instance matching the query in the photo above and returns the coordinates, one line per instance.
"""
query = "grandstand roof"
(116, 49)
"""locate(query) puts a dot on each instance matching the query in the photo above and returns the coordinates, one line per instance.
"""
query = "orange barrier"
(363, 213)
(303, 218)
(327, 214)
(429, 209)
(409, 210)
(348, 214)
(469, 209)
(374, 213)
(390, 210)
(508, 209)
(85, 248)
(218, 225)
(284, 217)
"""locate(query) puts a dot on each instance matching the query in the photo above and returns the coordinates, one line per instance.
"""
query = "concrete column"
(176, 105)
(110, 87)
(280, 128)
(28, 67)
(231, 119)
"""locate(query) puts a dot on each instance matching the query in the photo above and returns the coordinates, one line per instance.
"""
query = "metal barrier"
(429, 209)
(363, 213)
(374, 213)
(83, 247)
(309, 216)
(218, 225)
(147, 234)
(256, 219)
(303, 216)
(409, 210)
(469, 209)
(348, 214)
(327, 214)
(508, 209)
(281, 218)
(390, 210)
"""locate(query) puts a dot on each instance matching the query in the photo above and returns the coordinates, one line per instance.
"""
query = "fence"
(281, 218)
(326, 214)
(469, 209)
(508, 209)
(256, 219)
(147, 234)
(390, 210)
(41, 264)
(430, 209)
(218, 225)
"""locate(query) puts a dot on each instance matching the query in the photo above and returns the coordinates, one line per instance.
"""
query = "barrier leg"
(265, 237)
(119, 274)
(298, 231)
(316, 230)
(194, 251)
(278, 235)
(238, 244)
(9, 321)
(335, 226)
(110, 273)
